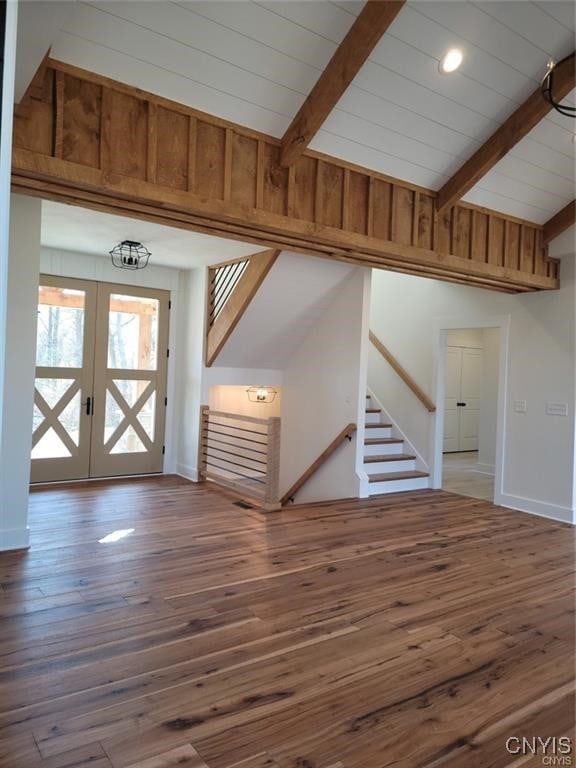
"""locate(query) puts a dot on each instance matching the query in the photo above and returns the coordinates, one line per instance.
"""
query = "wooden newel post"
(272, 493)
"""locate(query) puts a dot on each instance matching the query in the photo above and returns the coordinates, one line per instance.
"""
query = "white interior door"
(470, 393)
(452, 396)
(462, 398)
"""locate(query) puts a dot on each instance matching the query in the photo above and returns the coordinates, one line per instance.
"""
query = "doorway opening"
(469, 439)
(100, 386)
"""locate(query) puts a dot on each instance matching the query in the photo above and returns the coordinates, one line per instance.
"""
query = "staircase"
(389, 462)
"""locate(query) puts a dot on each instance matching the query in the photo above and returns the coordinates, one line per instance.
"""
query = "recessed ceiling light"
(451, 60)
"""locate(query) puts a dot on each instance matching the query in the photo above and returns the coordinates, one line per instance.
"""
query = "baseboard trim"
(540, 508)
(15, 538)
(188, 473)
(485, 469)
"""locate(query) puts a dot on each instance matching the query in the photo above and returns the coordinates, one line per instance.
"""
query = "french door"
(100, 390)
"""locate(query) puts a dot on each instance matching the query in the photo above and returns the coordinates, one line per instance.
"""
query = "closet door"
(470, 393)
(64, 374)
(451, 400)
(129, 381)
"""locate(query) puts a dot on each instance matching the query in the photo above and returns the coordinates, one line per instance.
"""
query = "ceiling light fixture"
(130, 254)
(451, 60)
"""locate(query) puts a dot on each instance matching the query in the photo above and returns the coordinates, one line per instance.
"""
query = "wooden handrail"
(348, 431)
(403, 373)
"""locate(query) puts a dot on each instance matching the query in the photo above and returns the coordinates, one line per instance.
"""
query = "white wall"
(408, 314)
(18, 373)
(489, 399)
(323, 391)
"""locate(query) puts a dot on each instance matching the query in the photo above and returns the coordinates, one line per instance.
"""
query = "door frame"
(441, 328)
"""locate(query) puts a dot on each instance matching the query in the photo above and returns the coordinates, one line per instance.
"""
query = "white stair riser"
(379, 432)
(383, 449)
(373, 418)
(396, 486)
(378, 467)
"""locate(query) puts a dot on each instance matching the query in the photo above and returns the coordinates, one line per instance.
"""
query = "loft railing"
(241, 453)
(403, 373)
(222, 280)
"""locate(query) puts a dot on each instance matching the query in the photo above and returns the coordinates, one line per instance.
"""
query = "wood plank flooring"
(419, 630)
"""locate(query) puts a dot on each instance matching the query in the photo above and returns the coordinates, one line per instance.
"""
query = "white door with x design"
(100, 394)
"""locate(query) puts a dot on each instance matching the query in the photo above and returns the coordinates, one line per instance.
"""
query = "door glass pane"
(129, 443)
(50, 446)
(131, 389)
(52, 390)
(60, 331)
(146, 415)
(132, 332)
(113, 416)
(70, 418)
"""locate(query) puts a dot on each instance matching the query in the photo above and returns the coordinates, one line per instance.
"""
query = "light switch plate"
(557, 409)
(520, 406)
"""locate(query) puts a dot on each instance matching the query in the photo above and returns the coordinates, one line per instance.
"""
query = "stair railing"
(242, 454)
(346, 433)
(403, 373)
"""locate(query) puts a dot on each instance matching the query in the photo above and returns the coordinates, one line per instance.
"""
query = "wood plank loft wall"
(87, 140)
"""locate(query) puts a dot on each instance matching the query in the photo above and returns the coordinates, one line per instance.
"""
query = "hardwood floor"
(460, 475)
(419, 630)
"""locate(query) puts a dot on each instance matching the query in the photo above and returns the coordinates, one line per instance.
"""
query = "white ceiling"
(295, 293)
(255, 62)
(81, 230)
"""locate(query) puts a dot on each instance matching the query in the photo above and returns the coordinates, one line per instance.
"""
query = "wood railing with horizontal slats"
(403, 373)
(241, 453)
(347, 432)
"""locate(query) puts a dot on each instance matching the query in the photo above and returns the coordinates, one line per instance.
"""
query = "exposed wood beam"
(239, 301)
(364, 35)
(516, 127)
(560, 222)
(188, 169)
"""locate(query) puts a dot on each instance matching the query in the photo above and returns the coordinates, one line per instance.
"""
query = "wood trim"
(403, 373)
(348, 431)
(272, 492)
(239, 417)
(246, 288)
(300, 210)
(518, 125)
(363, 36)
(560, 222)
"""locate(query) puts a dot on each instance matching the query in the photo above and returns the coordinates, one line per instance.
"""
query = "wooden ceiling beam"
(516, 127)
(353, 51)
(560, 222)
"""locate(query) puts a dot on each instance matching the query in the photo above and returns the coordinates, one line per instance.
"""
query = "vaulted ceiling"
(255, 62)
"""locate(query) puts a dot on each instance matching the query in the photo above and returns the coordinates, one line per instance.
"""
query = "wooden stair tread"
(378, 426)
(386, 476)
(373, 410)
(389, 457)
(382, 440)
